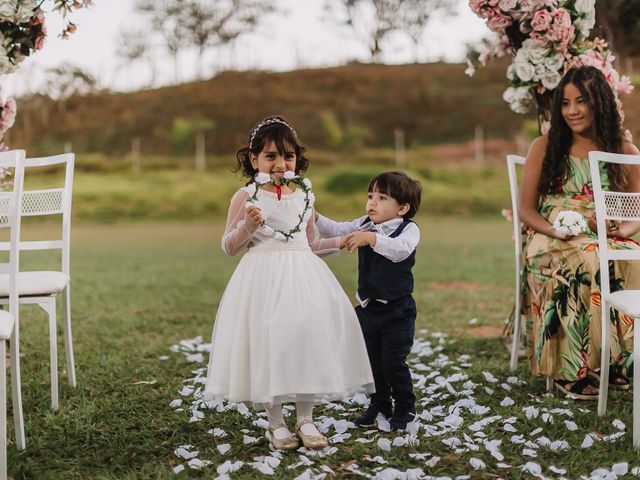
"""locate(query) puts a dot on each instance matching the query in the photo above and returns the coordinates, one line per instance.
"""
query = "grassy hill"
(349, 106)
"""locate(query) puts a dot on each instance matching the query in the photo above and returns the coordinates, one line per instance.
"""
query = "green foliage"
(339, 137)
(349, 180)
(184, 130)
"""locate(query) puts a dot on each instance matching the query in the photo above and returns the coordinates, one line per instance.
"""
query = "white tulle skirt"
(285, 329)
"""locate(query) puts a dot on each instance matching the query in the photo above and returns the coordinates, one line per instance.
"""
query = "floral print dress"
(561, 288)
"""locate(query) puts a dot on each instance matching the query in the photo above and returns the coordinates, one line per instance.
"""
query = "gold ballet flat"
(315, 442)
(289, 443)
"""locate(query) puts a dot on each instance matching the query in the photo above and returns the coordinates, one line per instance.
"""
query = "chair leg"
(604, 360)
(68, 341)
(636, 386)
(16, 389)
(50, 308)
(3, 411)
(515, 345)
(549, 384)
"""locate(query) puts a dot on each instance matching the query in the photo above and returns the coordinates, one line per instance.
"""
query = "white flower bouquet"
(569, 222)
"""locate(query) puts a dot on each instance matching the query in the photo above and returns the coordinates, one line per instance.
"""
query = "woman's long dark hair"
(606, 124)
(273, 128)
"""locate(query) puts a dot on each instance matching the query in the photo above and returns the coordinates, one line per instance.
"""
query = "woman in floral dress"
(561, 291)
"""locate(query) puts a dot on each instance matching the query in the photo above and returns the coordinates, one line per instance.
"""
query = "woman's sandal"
(288, 443)
(617, 381)
(576, 388)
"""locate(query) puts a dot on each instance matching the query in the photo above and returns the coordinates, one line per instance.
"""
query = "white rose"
(511, 72)
(289, 175)
(535, 51)
(518, 98)
(7, 10)
(251, 189)
(569, 222)
(550, 80)
(312, 199)
(267, 230)
(6, 65)
(280, 236)
(584, 25)
(262, 178)
(554, 62)
(540, 70)
(307, 182)
(25, 11)
(584, 6)
(524, 71)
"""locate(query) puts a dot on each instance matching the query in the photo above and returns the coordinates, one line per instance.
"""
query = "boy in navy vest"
(386, 240)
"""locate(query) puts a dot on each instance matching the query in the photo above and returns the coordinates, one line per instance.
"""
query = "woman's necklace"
(262, 179)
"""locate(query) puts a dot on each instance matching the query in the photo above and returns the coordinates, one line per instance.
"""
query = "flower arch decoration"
(545, 38)
(23, 32)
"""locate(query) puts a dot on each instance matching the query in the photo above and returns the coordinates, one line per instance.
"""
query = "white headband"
(269, 121)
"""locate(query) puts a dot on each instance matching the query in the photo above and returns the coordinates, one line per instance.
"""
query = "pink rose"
(541, 20)
(498, 22)
(39, 43)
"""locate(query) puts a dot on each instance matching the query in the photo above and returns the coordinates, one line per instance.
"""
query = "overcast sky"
(298, 38)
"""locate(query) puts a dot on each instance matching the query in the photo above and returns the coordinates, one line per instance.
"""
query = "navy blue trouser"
(388, 334)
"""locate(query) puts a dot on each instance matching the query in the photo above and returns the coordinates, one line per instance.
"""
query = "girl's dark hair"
(399, 186)
(273, 128)
(606, 125)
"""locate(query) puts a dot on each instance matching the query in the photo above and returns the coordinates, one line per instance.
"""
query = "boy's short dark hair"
(399, 186)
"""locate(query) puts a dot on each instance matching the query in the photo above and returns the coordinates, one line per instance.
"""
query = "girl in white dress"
(285, 330)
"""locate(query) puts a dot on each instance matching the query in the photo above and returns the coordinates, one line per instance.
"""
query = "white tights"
(304, 411)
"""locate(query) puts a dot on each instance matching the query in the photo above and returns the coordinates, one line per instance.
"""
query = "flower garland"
(546, 38)
(262, 179)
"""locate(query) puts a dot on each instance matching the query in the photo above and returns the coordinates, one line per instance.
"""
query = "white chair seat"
(35, 283)
(6, 325)
(627, 301)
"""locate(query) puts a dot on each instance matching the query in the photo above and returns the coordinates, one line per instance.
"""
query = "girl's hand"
(360, 239)
(253, 216)
(559, 235)
(343, 242)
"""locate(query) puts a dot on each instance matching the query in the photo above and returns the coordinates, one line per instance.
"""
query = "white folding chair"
(626, 207)
(10, 219)
(42, 287)
(512, 162)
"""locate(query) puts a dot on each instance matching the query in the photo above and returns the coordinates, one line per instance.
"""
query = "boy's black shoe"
(368, 418)
(400, 419)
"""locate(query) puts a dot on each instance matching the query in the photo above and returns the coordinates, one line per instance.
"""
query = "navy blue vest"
(379, 277)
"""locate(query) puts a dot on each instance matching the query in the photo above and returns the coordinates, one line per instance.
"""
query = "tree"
(134, 46)
(619, 22)
(67, 80)
(373, 21)
(165, 16)
(211, 23)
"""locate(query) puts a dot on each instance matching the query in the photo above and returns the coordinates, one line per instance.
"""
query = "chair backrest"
(10, 206)
(611, 205)
(512, 162)
(50, 201)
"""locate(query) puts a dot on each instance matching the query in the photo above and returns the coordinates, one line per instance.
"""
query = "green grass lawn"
(140, 288)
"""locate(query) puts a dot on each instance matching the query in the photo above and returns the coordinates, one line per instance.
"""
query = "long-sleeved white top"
(240, 234)
(395, 249)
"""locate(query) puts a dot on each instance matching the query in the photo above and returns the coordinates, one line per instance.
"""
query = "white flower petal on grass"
(224, 448)
(399, 442)
(432, 461)
(488, 376)
(376, 459)
(620, 468)
(532, 468)
(178, 468)
(506, 386)
(164, 357)
(384, 444)
(452, 442)
(489, 391)
(473, 321)
(479, 410)
(547, 418)
(509, 428)
(514, 380)
(503, 465)
(306, 475)
(536, 431)
(559, 471)
(229, 466)
(186, 391)
(507, 402)
(619, 424)
(261, 423)
(383, 424)
(195, 357)
(477, 464)
(587, 442)
(559, 445)
(175, 403)
(364, 440)
(635, 471)
(263, 468)
(529, 452)
(571, 426)
(340, 437)
(182, 452)
(531, 412)
(517, 439)
(197, 464)
(247, 440)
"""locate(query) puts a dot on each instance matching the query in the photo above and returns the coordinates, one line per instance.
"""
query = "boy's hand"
(360, 239)
(343, 242)
(253, 216)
